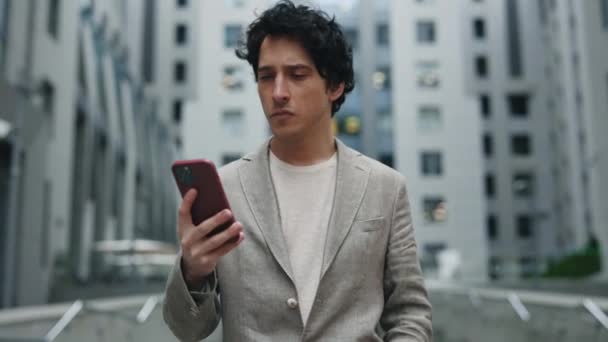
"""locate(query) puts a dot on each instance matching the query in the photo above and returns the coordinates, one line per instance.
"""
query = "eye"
(265, 77)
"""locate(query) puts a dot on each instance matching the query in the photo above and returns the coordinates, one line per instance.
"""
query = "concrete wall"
(205, 135)
(457, 137)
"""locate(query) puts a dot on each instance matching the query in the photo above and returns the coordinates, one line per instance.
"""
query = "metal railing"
(80, 307)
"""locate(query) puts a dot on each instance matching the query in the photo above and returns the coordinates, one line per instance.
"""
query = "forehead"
(283, 51)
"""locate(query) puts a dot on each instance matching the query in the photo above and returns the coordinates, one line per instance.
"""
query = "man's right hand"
(200, 252)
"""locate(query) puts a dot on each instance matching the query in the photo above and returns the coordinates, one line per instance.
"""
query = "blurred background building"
(504, 61)
(91, 104)
(226, 121)
(575, 41)
(437, 145)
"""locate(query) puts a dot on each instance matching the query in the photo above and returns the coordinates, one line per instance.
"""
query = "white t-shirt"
(305, 195)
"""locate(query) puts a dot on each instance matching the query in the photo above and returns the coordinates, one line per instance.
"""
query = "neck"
(303, 151)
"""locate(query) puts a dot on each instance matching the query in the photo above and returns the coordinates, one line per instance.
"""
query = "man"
(325, 247)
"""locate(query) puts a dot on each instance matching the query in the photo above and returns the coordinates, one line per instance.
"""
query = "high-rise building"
(87, 133)
(504, 63)
(436, 134)
(575, 35)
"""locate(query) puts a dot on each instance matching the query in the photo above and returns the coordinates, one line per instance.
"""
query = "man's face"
(295, 98)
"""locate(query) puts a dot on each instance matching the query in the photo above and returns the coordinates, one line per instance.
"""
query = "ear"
(335, 92)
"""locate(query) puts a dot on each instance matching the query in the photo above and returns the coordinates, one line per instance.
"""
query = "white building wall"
(511, 254)
(205, 134)
(457, 138)
(594, 54)
(579, 40)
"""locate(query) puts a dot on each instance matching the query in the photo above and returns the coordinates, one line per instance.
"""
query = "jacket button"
(292, 303)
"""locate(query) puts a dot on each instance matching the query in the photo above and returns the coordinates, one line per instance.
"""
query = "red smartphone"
(202, 175)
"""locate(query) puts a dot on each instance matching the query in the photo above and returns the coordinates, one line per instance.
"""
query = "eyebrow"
(268, 68)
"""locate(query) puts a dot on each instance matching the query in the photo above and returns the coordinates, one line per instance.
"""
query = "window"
(386, 159)
(148, 41)
(232, 34)
(481, 66)
(604, 10)
(431, 163)
(524, 227)
(232, 122)
(435, 209)
(430, 258)
(233, 78)
(428, 76)
(490, 186)
(488, 145)
(382, 78)
(179, 72)
(382, 34)
(521, 145)
(495, 267)
(425, 32)
(177, 111)
(53, 18)
(429, 118)
(492, 223)
(527, 266)
(514, 40)
(230, 157)
(479, 28)
(182, 3)
(47, 92)
(484, 103)
(518, 105)
(181, 34)
(542, 11)
(523, 184)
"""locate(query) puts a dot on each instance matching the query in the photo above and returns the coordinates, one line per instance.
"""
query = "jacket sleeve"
(191, 315)
(407, 310)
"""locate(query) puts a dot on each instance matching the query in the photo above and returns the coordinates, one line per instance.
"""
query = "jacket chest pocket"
(361, 257)
(369, 225)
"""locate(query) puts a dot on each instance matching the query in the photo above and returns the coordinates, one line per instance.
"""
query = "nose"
(280, 92)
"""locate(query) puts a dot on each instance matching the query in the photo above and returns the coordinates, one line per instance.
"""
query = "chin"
(284, 132)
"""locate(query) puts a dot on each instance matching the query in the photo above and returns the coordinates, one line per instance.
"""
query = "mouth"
(281, 114)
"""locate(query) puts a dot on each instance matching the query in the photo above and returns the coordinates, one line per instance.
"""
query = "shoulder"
(229, 171)
(379, 173)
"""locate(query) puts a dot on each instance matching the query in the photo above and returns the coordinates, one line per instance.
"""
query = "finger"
(210, 224)
(228, 247)
(184, 217)
(222, 238)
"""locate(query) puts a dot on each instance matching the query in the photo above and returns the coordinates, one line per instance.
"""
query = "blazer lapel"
(259, 191)
(351, 182)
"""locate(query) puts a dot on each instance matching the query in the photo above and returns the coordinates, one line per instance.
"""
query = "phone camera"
(184, 175)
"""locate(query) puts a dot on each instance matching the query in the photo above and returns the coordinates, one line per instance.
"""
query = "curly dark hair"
(320, 35)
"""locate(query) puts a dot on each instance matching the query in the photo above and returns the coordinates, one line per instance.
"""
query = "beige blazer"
(371, 287)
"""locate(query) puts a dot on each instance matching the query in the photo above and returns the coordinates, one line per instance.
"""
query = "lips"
(281, 114)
